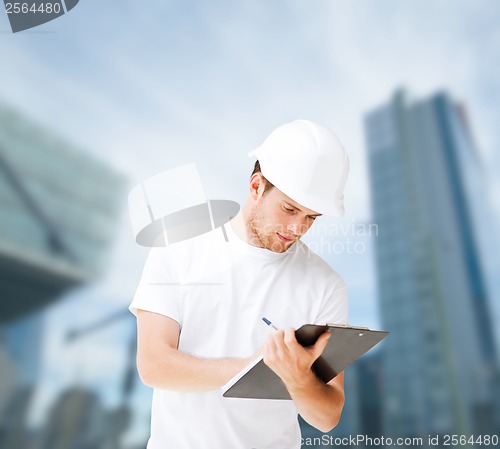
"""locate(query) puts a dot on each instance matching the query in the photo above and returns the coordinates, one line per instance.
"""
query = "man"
(200, 302)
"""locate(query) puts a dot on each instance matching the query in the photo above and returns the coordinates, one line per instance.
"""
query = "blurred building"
(369, 388)
(76, 421)
(59, 209)
(28, 357)
(440, 360)
(22, 343)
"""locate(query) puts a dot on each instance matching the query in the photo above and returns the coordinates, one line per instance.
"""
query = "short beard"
(256, 236)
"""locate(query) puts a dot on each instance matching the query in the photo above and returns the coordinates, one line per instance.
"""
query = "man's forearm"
(175, 370)
(318, 403)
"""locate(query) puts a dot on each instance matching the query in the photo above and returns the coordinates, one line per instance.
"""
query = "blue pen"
(269, 323)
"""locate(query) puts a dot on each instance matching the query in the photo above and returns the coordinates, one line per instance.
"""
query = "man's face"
(276, 221)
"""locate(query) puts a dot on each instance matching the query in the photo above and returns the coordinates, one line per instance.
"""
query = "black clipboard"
(346, 345)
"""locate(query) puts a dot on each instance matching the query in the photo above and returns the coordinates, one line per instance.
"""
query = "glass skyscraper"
(58, 210)
(440, 362)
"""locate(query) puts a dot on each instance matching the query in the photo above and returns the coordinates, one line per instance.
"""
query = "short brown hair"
(267, 185)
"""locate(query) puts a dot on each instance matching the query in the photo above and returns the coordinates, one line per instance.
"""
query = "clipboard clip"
(348, 326)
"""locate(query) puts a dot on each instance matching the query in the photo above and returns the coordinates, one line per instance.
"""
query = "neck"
(239, 225)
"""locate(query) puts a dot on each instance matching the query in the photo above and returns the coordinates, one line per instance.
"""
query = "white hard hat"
(307, 162)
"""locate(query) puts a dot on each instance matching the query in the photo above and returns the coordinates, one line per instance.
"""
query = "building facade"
(439, 363)
(59, 209)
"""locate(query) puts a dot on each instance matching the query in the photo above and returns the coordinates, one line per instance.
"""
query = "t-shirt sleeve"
(335, 307)
(158, 289)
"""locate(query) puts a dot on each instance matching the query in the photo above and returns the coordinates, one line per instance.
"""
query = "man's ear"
(257, 186)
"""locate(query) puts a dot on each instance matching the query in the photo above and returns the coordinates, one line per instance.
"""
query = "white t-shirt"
(218, 292)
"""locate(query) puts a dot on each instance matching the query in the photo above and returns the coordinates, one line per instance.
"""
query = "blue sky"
(147, 86)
